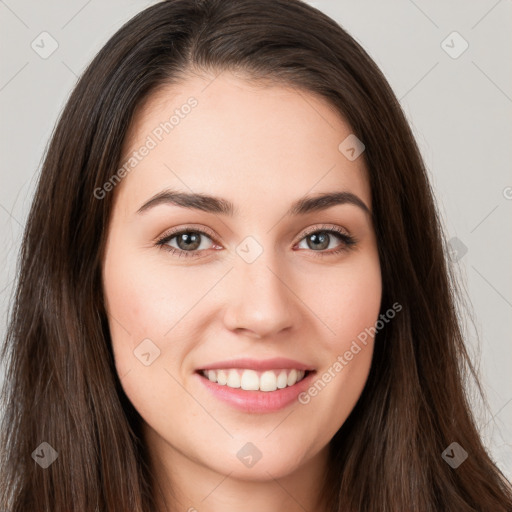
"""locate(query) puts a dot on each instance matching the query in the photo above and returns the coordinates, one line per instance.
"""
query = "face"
(233, 316)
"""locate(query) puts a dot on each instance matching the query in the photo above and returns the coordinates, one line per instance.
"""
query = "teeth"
(251, 380)
(233, 379)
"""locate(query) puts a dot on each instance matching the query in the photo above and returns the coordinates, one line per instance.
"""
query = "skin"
(262, 148)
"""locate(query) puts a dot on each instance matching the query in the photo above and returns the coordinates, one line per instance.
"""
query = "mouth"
(254, 380)
(256, 391)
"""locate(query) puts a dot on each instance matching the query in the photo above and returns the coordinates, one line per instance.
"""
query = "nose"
(261, 301)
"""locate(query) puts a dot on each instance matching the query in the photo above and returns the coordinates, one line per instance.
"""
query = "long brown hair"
(61, 385)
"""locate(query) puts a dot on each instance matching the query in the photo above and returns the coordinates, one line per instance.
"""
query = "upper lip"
(261, 364)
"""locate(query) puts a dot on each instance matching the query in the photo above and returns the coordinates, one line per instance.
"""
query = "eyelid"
(184, 229)
(323, 227)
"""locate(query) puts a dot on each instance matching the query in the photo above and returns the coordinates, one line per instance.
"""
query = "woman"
(233, 285)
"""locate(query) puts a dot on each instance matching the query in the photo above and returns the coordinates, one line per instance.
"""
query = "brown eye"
(186, 242)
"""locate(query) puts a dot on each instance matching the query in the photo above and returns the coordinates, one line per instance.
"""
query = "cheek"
(139, 317)
(139, 314)
(142, 302)
(347, 299)
(349, 305)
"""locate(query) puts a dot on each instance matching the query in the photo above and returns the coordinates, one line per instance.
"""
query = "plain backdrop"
(450, 65)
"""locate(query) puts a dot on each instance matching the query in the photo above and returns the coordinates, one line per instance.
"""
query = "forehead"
(225, 136)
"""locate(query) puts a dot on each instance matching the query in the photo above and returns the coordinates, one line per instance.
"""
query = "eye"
(318, 240)
(185, 242)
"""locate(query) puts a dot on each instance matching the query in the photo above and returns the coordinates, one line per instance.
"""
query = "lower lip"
(257, 401)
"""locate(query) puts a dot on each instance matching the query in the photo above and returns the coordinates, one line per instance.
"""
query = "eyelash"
(348, 241)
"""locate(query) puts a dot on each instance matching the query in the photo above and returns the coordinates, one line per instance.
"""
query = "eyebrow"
(217, 205)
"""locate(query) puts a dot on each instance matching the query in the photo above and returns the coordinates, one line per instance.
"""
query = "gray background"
(458, 105)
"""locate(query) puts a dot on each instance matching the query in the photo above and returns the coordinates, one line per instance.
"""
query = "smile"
(252, 380)
(256, 391)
